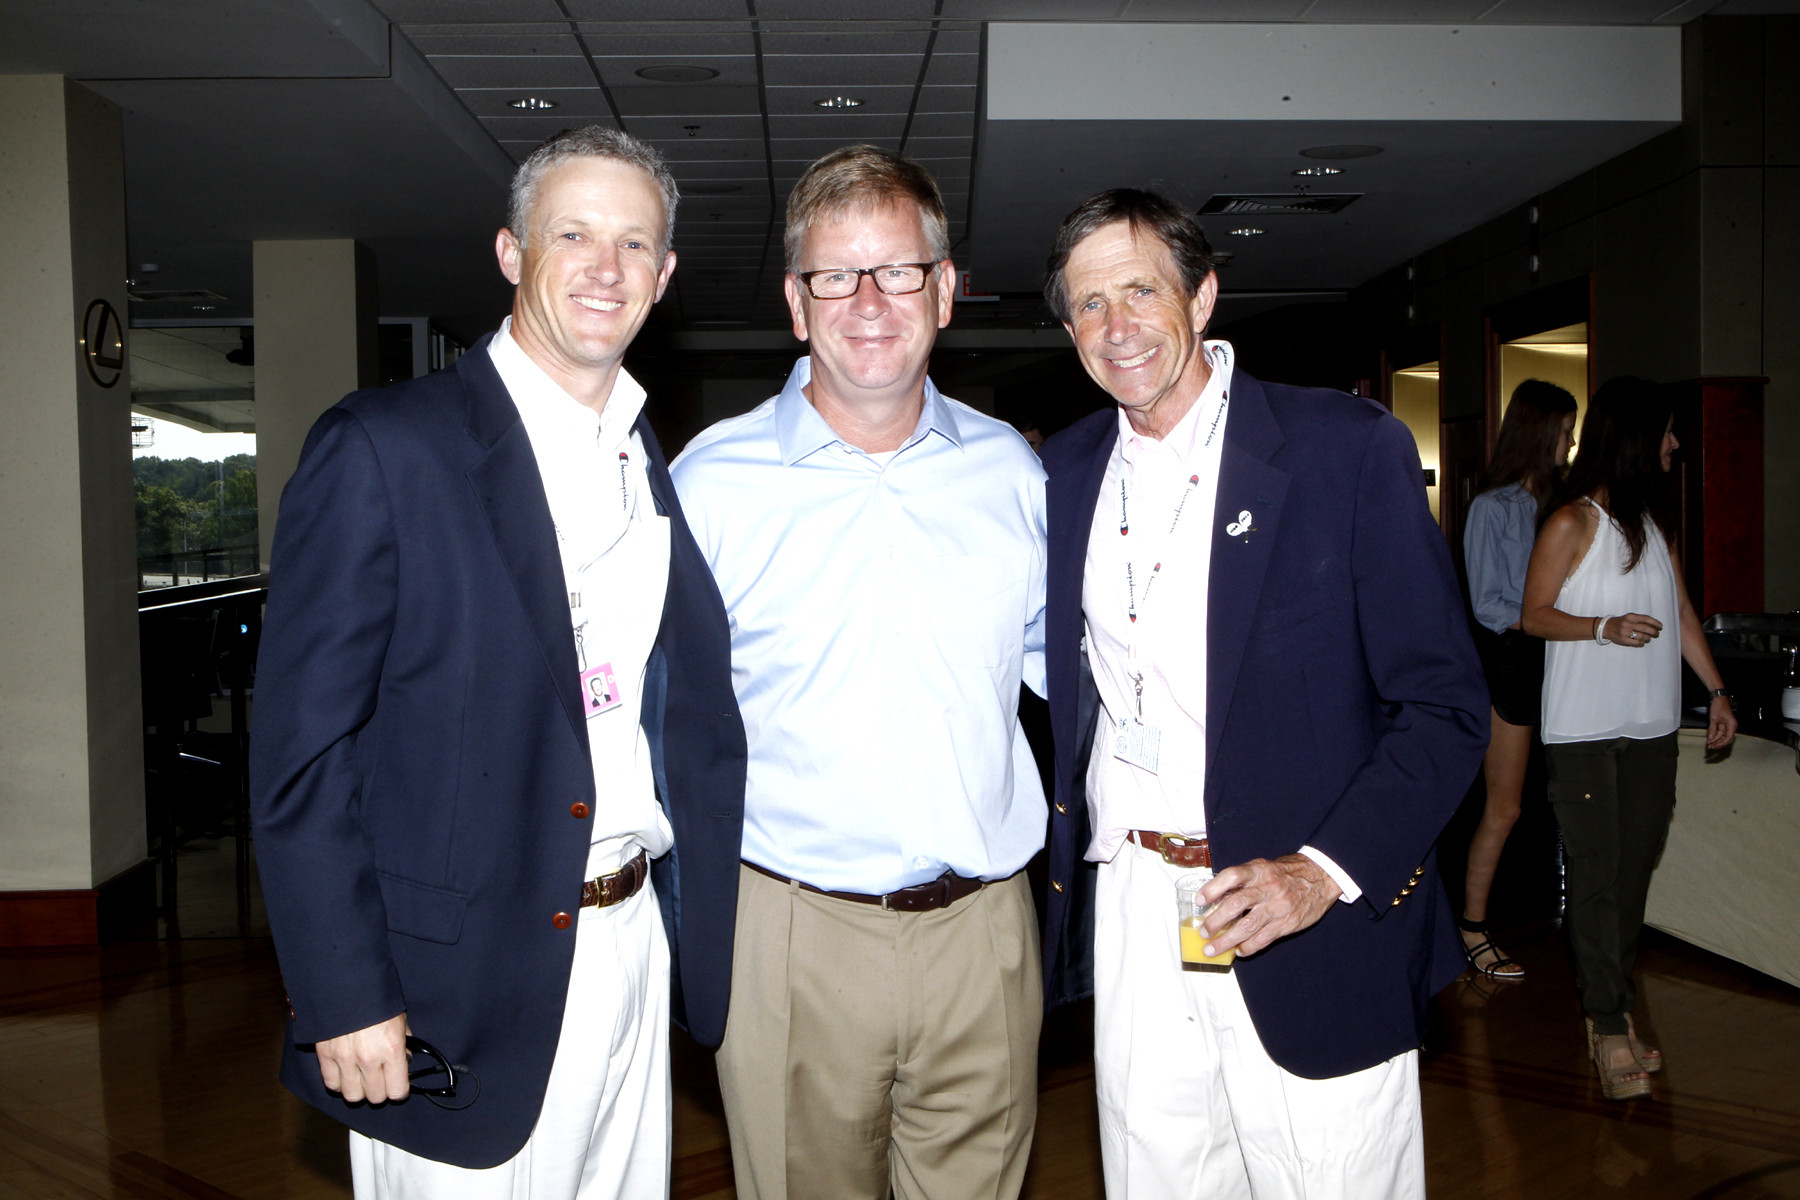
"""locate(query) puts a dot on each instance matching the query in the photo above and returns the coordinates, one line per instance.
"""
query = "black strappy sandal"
(1497, 966)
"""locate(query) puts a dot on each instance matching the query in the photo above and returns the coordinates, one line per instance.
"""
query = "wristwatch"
(1717, 692)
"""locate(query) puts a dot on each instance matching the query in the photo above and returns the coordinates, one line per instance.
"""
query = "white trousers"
(1190, 1104)
(604, 1128)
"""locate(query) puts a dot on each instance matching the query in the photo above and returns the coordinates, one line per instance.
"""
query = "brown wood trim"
(80, 917)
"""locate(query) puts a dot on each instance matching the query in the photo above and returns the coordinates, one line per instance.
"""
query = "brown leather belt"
(622, 884)
(1176, 849)
(941, 892)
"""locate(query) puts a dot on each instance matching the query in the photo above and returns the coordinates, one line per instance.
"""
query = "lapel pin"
(1241, 526)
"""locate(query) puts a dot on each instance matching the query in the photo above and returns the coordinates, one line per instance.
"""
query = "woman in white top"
(1526, 466)
(1604, 594)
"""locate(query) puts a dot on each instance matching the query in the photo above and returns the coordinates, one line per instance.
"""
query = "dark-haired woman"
(1525, 468)
(1604, 593)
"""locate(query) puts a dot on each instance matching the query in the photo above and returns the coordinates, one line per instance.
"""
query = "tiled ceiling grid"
(739, 141)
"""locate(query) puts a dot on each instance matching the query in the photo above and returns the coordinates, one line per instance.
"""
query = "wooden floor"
(147, 1069)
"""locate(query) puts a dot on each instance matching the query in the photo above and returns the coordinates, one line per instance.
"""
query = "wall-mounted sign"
(103, 344)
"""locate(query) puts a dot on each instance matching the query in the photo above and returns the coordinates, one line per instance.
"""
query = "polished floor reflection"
(146, 1069)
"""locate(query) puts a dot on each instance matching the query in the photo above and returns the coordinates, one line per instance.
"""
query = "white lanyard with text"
(600, 691)
(1135, 740)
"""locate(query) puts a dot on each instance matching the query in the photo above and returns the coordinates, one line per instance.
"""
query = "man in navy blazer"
(1259, 664)
(494, 683)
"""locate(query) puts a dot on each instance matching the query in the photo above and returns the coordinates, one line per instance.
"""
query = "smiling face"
(588, 272)
(870, 350)
(1137, 331)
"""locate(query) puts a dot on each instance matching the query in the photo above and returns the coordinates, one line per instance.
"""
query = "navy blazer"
(420, 745)
(1345, 710)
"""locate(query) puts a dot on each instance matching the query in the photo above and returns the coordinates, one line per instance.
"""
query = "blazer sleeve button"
(561, 920)
(578, 810)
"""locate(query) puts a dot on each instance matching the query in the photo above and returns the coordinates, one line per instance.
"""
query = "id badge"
(600, 691)
(1138, 744)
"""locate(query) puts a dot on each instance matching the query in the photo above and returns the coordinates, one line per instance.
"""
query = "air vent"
(1317, 204)
(167, 294)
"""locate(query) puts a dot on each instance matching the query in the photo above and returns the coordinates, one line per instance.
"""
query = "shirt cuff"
(1352, 893)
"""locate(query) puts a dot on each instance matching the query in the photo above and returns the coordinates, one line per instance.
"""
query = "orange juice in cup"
(1191, 912)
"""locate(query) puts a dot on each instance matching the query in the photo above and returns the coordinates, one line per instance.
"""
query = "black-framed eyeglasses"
(445, 1084)
(893, 279)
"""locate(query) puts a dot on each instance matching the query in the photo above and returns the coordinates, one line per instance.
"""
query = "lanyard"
(1134, 600)
(578, 614)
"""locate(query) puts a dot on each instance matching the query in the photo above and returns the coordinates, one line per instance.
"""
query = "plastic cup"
(1190, 912)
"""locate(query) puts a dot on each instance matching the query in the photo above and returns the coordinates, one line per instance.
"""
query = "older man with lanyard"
(1257, 662)
(880, 549)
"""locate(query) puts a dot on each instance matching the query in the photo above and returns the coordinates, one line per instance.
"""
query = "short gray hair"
(590, 141)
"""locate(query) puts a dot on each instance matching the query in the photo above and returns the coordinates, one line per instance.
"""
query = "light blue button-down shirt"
(1497, 538)
(882, 617)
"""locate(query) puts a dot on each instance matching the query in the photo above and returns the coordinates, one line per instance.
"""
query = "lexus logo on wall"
(103, 344)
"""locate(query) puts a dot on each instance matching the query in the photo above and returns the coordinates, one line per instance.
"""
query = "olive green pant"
(1613, 799)
(868, 1050)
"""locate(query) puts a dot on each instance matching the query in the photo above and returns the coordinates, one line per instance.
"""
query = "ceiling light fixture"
(677, 73)
(1342, 151)
(1248, 231)
(838, 102)
(532, 103)
(1318, 172)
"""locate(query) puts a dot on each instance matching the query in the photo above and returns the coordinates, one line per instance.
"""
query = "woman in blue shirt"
(1533, 448)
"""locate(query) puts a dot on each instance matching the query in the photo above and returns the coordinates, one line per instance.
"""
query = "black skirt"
(1514, 664)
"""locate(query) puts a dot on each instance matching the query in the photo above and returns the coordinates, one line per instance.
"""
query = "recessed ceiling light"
(1316, 172)
(838, 102)
(203, 307)
(532, 103)
(1344, 151)
(677, 73)
(1248, 231)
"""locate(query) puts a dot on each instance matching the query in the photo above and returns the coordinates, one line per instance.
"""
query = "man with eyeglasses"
(880, 551)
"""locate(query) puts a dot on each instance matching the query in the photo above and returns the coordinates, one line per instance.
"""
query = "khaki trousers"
(869, 1050)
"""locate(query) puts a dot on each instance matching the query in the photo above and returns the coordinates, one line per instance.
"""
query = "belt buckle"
(1171, 845)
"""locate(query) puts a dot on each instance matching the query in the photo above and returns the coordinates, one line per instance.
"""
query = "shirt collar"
(1185, 437)
(801, 431)
(544, 403)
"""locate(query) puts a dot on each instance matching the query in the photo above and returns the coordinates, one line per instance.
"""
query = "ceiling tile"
(686, 99)
(705, 150)
(659, 129)
(621, 70)
(1576, 12)
(1412, 12)
(751, 174)
(957, 41)
(552, 42)
(960, 124)
(495, 71)
(847, 126)
(677, 41)
(485, 12)
(844, 10)
(658, 10)
(798, 100)
(954, 70)
(805, 150)
(923, 148)
(793, 70)
(934, 99)
(847, 41)
(1033, 10)
(535, 129)
(571, 103)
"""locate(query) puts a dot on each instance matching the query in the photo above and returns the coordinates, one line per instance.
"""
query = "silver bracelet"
(1600, 638)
